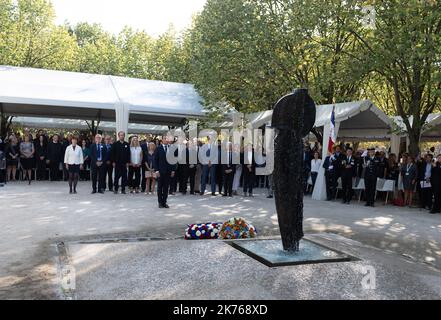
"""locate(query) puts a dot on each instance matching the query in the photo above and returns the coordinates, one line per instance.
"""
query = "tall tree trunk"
(414, 139)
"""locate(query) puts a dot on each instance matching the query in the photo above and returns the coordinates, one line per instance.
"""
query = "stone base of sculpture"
(272, 254)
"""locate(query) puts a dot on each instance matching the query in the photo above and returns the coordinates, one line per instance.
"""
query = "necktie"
(99, 152)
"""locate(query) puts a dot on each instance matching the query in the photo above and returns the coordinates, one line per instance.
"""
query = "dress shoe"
(270, 197)
(433, 212)
(213, 194)
(101, 191)
(224, 195)
(160, 206)
(123, 192)
(93, 192)
(166, 206)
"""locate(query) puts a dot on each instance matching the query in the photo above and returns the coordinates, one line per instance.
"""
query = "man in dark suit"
(98, 156)
(183, 169)
(164, 172)
(192, 167)
(108, 163)
(371, 164)
(336, 167)
(424, 175)
(249, 170)
(55, 157)
(328, 177)
(145, 150)
(121, 161)
(228, 169)
(435, 180)
(348, 173)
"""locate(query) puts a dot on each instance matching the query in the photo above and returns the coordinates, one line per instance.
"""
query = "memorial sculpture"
(293, 119)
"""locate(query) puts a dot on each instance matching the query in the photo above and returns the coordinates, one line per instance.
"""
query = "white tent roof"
(61, 94)
(71, 124)
(359, 119)
(431, 128)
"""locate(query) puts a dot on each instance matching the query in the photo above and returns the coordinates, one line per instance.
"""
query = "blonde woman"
(150, 176)
(135, 165)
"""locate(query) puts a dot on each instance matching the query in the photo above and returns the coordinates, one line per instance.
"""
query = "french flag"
(332, 137)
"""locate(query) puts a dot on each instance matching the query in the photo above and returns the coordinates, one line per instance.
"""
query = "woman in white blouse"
(136, 155)
(73, 160)
(316, 163)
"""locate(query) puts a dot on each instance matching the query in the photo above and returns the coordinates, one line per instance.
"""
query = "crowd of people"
(119, 166)
(411, 176)
(141, 166)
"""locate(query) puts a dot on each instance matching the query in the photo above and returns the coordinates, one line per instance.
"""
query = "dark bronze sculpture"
(293, 119)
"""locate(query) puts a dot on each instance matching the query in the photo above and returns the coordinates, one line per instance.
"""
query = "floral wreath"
(203, 231)
(237, 228)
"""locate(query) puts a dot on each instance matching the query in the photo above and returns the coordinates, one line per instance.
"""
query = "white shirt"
(315, 165)
(136, 155)
(72, 156)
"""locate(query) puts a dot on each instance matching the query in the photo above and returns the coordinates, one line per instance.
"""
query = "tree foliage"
(246, 54)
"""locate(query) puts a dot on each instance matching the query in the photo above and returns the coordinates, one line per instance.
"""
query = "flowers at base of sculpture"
(203, 231)
(237, 228)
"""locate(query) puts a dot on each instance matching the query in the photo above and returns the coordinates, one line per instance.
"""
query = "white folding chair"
(388, 186)
(339, 187)
(360, 187)
(380, 185)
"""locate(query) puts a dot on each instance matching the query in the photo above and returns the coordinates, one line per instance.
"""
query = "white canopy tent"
(72, 124)
(70, 95)
(367, 122)
(431, 129)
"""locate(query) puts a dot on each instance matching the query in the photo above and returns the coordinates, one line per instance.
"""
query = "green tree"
(249, 53)
(405, 52)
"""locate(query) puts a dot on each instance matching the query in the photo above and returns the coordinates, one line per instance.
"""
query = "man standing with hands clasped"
(164, 172)
(370, 165)
(121, 160)
(348, 173)
(435, 180)
(98, 155)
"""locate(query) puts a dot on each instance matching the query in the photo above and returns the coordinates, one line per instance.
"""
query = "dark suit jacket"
(108, 152)
(230, 165)
(94, 154)
(435, 180)
(161, 164)
(351, 172)
(245, 166)
(120, 153)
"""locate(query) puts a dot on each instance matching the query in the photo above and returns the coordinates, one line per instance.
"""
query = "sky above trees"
(153, 16)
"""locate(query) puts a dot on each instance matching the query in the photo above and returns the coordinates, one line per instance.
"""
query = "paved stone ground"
(213, 270)
(34, 218)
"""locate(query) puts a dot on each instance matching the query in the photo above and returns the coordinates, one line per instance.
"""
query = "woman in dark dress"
(41, 157)
(85, 172)
(12, 155)
(409, 173)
